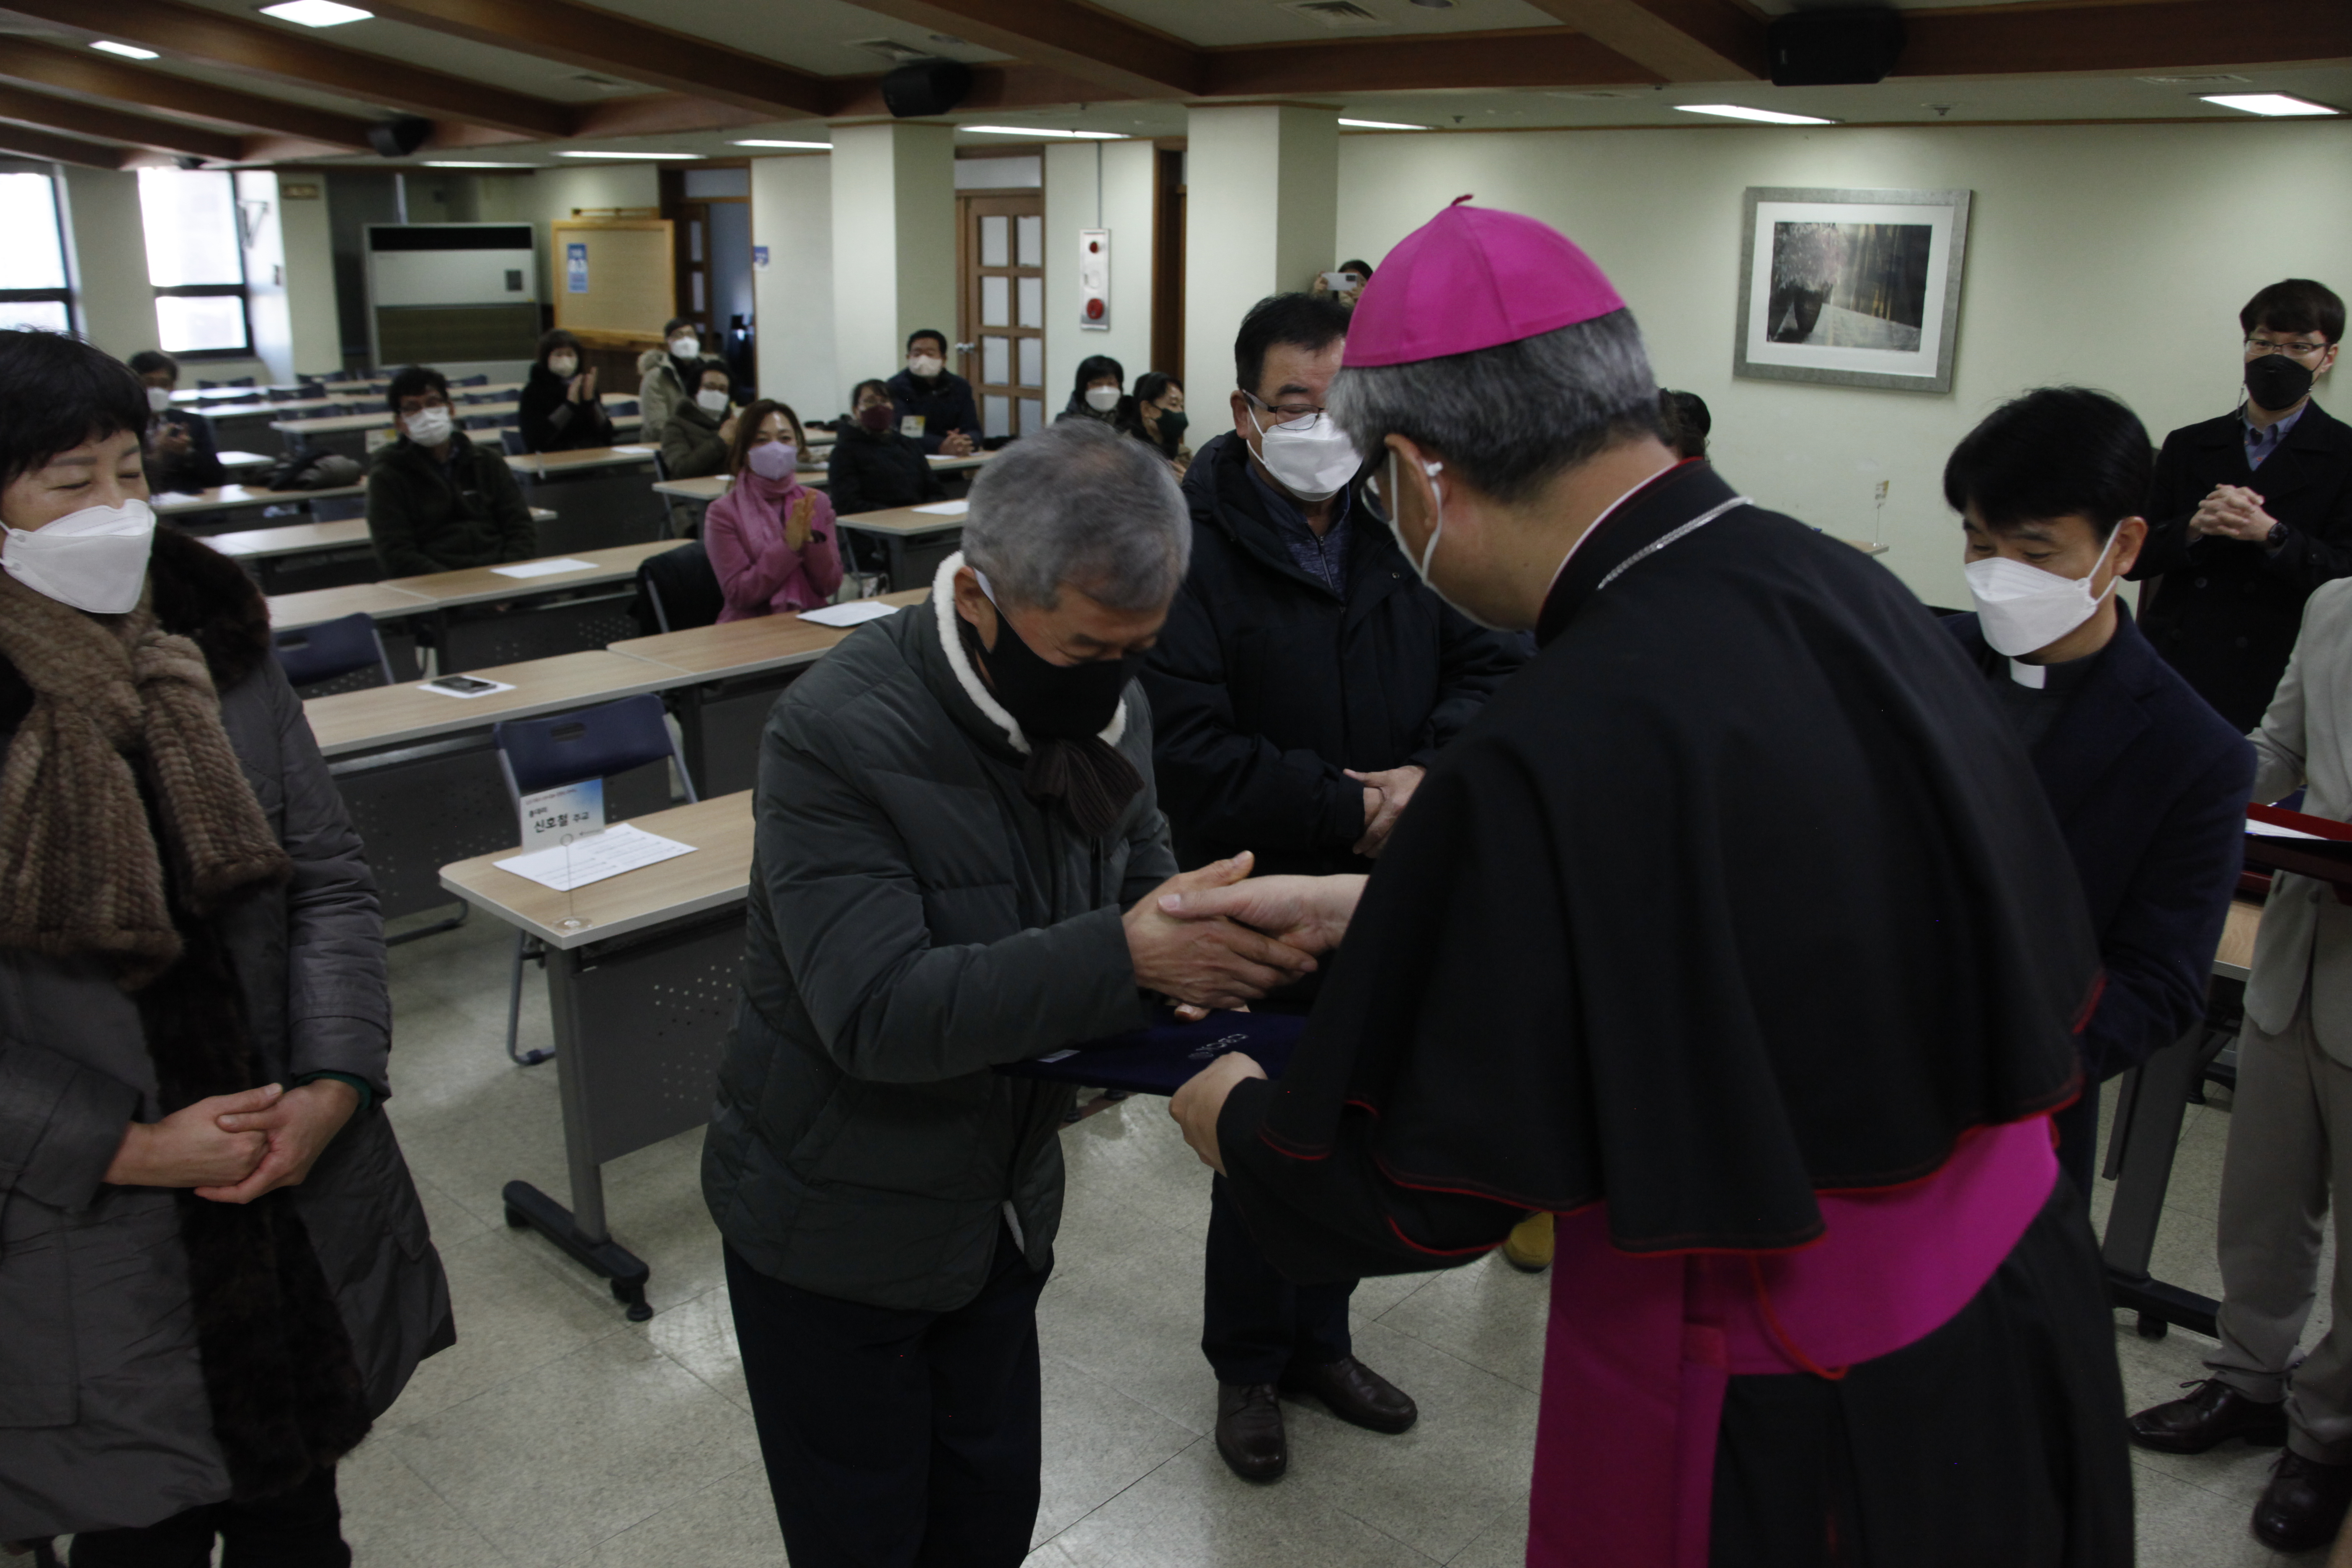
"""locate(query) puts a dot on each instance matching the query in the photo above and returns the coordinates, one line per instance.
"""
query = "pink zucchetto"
(1472, 278)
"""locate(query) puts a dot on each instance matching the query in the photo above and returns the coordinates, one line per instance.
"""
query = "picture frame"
(1851, 288)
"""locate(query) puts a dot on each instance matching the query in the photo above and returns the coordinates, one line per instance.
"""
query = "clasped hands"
(2232, 512)
(232, 1148)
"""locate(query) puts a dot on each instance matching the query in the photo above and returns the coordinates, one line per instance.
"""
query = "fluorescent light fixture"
(128, 51)
(1740, 111)
(316, 13)
(801, 146)
(467, 164)
(1038, 131)
(2269, 103)
(647, 155)
(1381, 124)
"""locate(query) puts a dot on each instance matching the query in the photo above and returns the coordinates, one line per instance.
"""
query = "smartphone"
(1340, 283)
(465, 684)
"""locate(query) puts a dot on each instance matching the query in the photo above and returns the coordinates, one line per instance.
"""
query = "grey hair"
(1082, 504)
(1511, 417)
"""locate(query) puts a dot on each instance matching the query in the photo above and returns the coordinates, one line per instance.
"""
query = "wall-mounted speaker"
(399, 138)
(1833, 48)
(921, 88)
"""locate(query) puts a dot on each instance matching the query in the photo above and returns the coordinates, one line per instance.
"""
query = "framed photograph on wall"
(1851, 288)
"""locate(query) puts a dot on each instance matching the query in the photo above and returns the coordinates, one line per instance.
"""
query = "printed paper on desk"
(2272, 830)
(858, 612)
(945, 508)
(593, 859)
(635, 451)
(544, 568)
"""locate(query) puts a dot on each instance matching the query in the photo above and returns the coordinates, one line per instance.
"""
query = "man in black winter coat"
(2252, 510)
(1304, 679)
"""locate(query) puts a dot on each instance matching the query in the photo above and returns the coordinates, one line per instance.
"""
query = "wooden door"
(1001, 308)
(1168, 263)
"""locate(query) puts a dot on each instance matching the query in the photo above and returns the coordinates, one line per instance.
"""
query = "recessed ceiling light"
(1740, 111)
(649, 155)
(804, 146)
(128, 51)
(316, 13)
(1035, 131)
(2269, 103)
(467, 164)
(1380, 125)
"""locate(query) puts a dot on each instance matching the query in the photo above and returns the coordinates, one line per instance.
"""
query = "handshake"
(1213, 937)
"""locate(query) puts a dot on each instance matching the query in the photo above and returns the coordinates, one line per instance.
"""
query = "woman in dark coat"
(1155, 415)
(872, 467)
(559, 409)
(1097, 394)
(214, 1272)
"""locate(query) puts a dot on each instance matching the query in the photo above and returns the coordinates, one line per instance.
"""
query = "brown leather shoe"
(1529, 1246)
(1355, 1393)
(1249, 1431)
(2213, 1414)
(2303, 1506)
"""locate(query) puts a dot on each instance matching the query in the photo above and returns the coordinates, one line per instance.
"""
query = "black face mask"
(1051, 701)
(1172, 423)
(2276, 383)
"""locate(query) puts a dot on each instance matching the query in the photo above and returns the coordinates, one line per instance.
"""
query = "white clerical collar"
(2036, 676)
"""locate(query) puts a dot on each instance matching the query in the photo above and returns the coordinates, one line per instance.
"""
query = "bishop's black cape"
(1740, 891)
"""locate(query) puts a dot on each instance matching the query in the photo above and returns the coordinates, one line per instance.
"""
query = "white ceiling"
(1213, 24)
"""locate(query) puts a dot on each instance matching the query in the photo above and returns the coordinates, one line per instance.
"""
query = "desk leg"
(895, 554)
(686, 702)
(2140, 1151)
(579, 1230)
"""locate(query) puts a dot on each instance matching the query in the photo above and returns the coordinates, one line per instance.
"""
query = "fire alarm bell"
(1094, 279)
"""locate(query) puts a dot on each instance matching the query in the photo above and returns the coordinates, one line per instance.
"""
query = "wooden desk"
(708, 488)
(288, 611)
(234, 498)
(747, 647)
(294, 539)
(914, 541)
(716, 875)
(2235, 960)
(343, 423)
(545, 465)
(487, 585)
(386, 716)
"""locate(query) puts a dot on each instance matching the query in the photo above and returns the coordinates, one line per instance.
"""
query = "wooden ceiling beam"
(80, 117)
(661, 113)
(48, 149)
(1682, 40)
(91, 74)
(1006, 86)
(1126, 59)
(2164, 34)
(1538, 58)
(210, 38)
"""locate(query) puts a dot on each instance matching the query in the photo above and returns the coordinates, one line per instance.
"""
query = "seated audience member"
(178, 446)
(559, 409)
(946, 420)
(700, 435)
(2148, 783)
(2252, 510)
(1687, 422)
(959, 863)
(1097, 394)
(1156, 415)
(668, 376)
(872, 466)
(215, 1271)
(2288, 1166)
(771, 538)
(436, 500)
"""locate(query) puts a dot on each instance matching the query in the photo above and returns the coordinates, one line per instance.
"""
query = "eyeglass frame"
(2293, 351)
(1285, 415)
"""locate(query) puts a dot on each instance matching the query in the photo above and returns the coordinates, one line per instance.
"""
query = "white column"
(1261, 216)
(107, 242)
(791, 216)
(894, 244)
(1099, 184)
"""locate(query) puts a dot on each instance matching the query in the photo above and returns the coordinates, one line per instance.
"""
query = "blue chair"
(536, 754)
(510, 438)
(338, 509)
(624, 405)
(480, 380)
(345, 655)
(479, 422)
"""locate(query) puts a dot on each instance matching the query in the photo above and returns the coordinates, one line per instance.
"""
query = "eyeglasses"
(2299, 351)
(1287, 412)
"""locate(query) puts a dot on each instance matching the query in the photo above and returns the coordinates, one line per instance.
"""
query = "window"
(194, 260)
(33, 291)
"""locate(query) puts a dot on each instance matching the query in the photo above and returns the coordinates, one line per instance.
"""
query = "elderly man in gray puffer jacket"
(958, 862)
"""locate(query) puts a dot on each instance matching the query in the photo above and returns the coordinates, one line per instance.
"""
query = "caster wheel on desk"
(2152, 1327)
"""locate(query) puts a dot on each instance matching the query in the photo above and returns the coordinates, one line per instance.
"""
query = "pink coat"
(759, 573)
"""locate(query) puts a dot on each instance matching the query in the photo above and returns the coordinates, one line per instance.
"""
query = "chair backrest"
(478, 379)
(621, 405)
(480, 422)
(679, 588)
(331, 651)
(338, 509)
(538, 755)
(510, 438)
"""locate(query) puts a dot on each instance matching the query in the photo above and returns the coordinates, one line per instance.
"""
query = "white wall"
(2114, 257)
(107, 245)
(791, 215)
(307, 241)
(1258, 219)
(550, 196)
(1126, 208)
(894, 241)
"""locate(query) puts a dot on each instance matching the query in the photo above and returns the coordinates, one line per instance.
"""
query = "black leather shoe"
(1355, 1393)
(2303, 1507)
(2213, 1414)
(1249, 1431)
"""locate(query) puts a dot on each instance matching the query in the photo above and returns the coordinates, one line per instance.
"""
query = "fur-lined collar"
(205, 596)
(974, 688)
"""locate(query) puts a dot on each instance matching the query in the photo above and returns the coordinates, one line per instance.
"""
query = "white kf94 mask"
(94, 559)
(2020, 608)
(1310, 457)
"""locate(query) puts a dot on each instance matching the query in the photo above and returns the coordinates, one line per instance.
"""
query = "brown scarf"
(80, 870)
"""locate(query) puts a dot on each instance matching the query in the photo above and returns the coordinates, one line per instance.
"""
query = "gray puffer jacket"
(103, 1416)
(913, 920)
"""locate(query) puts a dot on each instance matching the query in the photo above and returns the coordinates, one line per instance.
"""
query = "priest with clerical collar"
(1735, 932)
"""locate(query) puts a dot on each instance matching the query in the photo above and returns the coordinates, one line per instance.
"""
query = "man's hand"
(2232, 512)
(1201, 1101)
(800, 521)
(190, 1148)
(1309, 914)
(1395, 786)
(1207, 962)
(298, 1128)
(957, 444)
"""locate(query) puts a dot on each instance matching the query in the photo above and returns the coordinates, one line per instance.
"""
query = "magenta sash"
(1640, 1348)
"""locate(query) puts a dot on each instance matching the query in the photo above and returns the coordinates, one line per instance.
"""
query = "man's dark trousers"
(896, 1438)
(1257, 1325)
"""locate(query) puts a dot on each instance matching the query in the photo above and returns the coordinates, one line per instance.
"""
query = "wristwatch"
(2276, 537)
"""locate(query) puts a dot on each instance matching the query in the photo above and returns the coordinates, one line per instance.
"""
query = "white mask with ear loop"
(2020, 608)
(1310, 457)
(94, 559)
(1396, 510)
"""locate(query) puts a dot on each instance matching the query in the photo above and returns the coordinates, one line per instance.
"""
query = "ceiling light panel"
(1762, 116)
(1380, 125)
(128, 51)
(1040, 131)
(2275, 105)
(797, 146)
(317, 13)
(646, 156)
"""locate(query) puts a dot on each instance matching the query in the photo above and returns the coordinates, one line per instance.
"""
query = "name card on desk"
(544, 568)
(945, 508)
(857, 612)
(593, 859)
(567, 811)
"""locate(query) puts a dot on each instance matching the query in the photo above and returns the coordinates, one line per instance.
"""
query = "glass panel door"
(1002, 309)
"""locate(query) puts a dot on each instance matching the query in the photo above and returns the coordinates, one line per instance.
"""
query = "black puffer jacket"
(426, 518)
(872, 470)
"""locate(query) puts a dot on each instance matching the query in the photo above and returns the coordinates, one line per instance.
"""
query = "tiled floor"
(556, 1433)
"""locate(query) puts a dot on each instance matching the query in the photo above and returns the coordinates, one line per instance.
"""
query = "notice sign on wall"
(575, 267)
(759, 258)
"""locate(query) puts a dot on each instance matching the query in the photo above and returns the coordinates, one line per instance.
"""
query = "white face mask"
(685, 348)
(565, 365)
(1394, 493)
(94, 559)
(925, 365)
(712, 402)
(1102, 399)
(429, 427)
(158, 398)
(2021, 608)
(1310, 457)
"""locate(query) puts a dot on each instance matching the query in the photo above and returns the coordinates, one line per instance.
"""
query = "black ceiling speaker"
(1833, 48)
(926, 87)
(399, 138)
